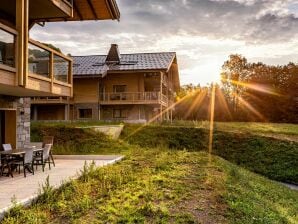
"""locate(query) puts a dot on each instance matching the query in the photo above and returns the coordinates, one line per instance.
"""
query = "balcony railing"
(48, 63)
(49, 71)
(133, 97)
(50, 100)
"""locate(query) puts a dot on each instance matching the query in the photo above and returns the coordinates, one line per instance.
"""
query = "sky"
(202, 32)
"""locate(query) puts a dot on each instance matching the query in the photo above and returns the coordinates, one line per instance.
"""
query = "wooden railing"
(45, 62)
(133, 97)
(50, 100)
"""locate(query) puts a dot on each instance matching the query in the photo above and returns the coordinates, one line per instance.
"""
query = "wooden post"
(66, 112)
(22, 20)
(35, 112)
(161, 115)
(70, 77)
(51, 65)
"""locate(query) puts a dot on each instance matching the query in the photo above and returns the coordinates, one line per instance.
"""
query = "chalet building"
(116, 87)
(22, 74)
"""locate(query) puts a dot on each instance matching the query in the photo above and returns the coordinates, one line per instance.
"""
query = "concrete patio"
(24, 190)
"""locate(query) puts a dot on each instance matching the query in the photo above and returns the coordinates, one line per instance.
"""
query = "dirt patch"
(205, 202)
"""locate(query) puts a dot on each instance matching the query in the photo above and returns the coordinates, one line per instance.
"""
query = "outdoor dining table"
(19, 153)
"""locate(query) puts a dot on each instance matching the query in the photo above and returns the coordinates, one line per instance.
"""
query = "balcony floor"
(26, 189)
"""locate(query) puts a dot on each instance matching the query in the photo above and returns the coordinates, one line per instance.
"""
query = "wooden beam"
(51, 64)
(20, 26)
(26, 41)
(77, 10)
(92, 9)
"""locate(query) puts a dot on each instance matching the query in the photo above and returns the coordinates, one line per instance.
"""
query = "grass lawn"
(164, 186)
(167, 177)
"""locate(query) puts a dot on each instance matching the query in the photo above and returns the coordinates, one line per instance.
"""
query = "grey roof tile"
(95, 64)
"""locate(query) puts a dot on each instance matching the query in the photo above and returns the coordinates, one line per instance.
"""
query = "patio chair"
(26, 162)
(49, 140)
(4, 163)
(7, 147)
(43, 158)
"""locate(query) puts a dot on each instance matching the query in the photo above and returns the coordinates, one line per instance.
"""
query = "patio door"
(8, 127)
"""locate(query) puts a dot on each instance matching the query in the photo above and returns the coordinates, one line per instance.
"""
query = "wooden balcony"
(133, 98)
(50, 100)
(49, 72)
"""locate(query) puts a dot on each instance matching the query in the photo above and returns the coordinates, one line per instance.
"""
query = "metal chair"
(27, 162)
(49, 140)
(4, 163)
(44, 157)
(7, 147)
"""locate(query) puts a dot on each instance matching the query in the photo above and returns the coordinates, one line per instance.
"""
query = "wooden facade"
(29, 68)
(139, 95)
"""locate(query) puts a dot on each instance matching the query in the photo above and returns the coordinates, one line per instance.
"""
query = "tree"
(234, 73)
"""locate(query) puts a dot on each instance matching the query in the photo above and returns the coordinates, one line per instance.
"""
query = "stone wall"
(22, 107)
(23, 120)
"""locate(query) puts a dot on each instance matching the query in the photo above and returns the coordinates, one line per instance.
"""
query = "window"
(7, 48)
(119, 113)
(119, 88)
(85, 113)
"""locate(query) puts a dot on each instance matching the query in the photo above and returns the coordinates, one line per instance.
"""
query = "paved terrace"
(24, 190)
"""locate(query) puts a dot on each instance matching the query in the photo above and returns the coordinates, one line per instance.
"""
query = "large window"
(120, 113)
(39, 61)
(85, 113)
(119, 88)
(61, 69)
(7, 48)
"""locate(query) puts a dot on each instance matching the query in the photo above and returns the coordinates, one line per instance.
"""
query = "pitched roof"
(96, 64)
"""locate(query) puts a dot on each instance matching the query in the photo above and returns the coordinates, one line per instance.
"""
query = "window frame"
(85, 109)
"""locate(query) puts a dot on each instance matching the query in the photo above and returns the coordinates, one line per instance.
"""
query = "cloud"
(202, 32)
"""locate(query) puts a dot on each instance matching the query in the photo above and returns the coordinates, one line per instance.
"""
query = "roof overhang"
(89, 10)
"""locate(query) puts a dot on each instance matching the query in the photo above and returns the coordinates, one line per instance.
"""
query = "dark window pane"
(119, 88)
(7, 48)
(85, 113)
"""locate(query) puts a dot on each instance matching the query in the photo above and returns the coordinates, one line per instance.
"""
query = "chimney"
(114, 55)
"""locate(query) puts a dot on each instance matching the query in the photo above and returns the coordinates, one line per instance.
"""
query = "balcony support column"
(35, 112)
(160, 97)
(22, 20)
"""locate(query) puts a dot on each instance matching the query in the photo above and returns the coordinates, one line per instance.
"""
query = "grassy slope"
(250, 127)
(70, 140)
(162, 186)
(276, 159)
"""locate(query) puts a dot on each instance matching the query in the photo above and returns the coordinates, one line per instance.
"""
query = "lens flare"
(249, 107)
(197, 102)
(188, 95)
(256, 87)
(211, 124)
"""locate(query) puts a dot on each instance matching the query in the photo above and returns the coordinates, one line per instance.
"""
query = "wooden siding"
(86, 90)
(134, 82)
(53, 112)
